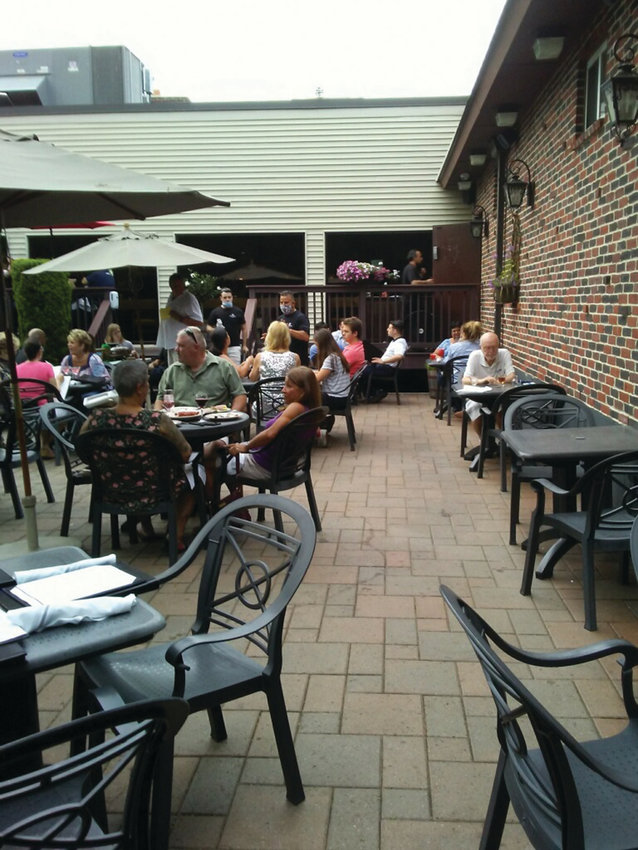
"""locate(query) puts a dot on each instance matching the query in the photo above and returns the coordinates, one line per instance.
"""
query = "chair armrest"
(540, 484)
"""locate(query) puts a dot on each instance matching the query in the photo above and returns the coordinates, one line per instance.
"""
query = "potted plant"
(352, 271)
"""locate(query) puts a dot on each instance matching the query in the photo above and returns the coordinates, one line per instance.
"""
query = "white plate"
(184, 414)
(221, 415)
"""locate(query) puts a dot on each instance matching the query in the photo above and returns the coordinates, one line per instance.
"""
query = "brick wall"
(577, 317)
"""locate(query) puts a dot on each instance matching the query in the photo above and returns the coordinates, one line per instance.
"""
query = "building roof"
(510, 75)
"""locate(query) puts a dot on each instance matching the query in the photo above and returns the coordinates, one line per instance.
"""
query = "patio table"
(205, 431)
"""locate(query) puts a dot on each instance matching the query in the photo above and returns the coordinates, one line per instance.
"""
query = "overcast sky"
(209, 50)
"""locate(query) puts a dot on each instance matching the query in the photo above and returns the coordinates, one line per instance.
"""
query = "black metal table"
(62, 645)
(205, 431)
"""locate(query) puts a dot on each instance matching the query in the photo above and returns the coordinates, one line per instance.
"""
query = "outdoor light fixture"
(479, 222)
(516, 189)
(621, 90)
(465, 182)
(507, 116)
(548, 47)
(478, 158)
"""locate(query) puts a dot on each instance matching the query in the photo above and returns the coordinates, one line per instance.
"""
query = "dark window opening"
(390, 247)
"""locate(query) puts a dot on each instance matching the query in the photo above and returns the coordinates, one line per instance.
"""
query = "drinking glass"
(201, 399)
(501, 379)
(168, 400)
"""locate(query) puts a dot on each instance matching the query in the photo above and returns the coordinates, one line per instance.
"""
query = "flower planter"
(505, 294)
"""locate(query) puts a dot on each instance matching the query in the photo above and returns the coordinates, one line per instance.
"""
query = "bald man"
(484, 368)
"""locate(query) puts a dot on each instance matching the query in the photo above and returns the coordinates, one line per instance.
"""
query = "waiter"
(298, 325)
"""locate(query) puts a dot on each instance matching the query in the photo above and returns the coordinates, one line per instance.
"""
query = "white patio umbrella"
(128, 249)
(41, 184)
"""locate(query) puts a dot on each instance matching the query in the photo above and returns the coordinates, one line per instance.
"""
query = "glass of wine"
(168, 400)
(501, 379)
(201, 399)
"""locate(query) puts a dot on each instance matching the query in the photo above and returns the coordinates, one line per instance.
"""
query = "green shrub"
(43, 301)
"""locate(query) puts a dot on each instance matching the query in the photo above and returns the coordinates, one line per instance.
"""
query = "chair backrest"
(33, 391)
(63, 422)
(542, 789)
(355, 380)
(8, 426)
(452, 368)
(633, 545)
(265, 399)
(251, 571)
(547, 410)
(130, 466)
(292, 446)
(512, 394)
(611, 488)
(55, 805)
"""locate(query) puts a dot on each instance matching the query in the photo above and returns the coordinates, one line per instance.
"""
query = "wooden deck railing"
(427, 310)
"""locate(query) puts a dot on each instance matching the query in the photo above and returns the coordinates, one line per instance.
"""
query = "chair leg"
(66, 513)
(217, 726)
(172, 534)
(115, 531)
(312, 504)
(45, 480)
(396, 387)
(530, 553)
(515, 500)
(97, 532)
(589, 587)
(285, 743)
(162, 796)
(11, 488)
(503, 460)
(496, 810)
(351, 432)
(464, 432)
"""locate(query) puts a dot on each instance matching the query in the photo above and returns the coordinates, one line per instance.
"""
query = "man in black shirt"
(298, 325)
(233, 319)
(412, 270)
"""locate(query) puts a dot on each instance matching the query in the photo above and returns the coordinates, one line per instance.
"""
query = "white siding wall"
(309, 170)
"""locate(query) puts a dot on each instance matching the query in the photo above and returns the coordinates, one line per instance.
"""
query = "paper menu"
(72, 585)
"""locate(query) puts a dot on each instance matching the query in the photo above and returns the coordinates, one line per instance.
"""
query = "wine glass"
(501, 379)
(168, 400)
(201, 399)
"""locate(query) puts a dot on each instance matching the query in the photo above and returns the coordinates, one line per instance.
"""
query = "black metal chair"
(10, 452)
(566, 793)
(250, 574)
(445, 381)
(292, 449)
(61, 803)
(147, 464)
(610, 495)
(390, 380)
(351, 400)
(633, 545)
(490, 434)
(63, 422)
(541, 411)
(265, 400)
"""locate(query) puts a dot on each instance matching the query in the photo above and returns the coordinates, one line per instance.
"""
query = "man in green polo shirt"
(199, 371)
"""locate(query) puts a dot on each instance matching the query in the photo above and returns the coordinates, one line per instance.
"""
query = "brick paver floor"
(393, 723)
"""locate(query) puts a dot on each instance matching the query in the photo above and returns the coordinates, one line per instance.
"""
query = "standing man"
(233, 319)
(298, 325)
(412, 270)
(184, 310)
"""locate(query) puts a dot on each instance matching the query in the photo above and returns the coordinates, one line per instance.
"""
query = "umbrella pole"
(28, 502)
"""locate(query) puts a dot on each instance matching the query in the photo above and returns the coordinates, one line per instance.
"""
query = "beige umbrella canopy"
(252, 271)
(41, 184)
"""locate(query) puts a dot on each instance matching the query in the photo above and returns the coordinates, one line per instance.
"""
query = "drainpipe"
(501, 221)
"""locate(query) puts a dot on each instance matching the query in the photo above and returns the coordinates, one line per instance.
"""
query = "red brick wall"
(577, 317)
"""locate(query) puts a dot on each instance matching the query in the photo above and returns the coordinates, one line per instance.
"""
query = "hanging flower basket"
(355, 271)
(506, 285)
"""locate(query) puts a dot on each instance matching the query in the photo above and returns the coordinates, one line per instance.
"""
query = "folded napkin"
(38, 617)
(44, 572)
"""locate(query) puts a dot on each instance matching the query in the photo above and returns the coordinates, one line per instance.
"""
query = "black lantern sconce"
(516, 189)
(479, 223)
(621, 90)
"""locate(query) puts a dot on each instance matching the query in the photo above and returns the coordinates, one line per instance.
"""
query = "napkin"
(38, 617)
(44, 572)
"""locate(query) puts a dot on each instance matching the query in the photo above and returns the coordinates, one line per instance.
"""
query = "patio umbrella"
(43, 184)
(128, 249)
(255, 272)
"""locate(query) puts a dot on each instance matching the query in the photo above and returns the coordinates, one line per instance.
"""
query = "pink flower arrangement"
(353, 270)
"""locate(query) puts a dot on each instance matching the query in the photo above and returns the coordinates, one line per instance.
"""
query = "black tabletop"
(206, 430)
(569, 444)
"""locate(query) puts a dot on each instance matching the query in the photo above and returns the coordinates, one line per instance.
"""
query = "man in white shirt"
(383, 366)
(488, 366)
(184, 312)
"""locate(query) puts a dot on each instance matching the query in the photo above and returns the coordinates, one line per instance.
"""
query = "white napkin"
(44, 572)
(38, 617)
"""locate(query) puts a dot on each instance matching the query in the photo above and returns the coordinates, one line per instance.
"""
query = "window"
(594, 104)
